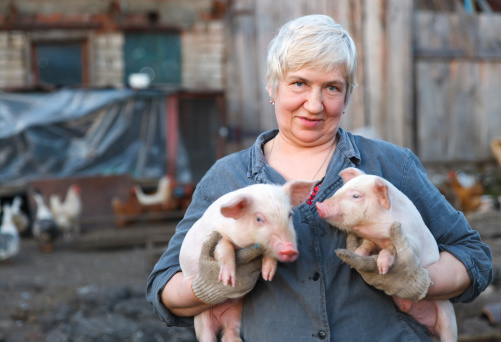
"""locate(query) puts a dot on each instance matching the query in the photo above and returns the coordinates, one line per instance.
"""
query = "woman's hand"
(406, 278)
(189, 297)
(207, 286)
(444, 279)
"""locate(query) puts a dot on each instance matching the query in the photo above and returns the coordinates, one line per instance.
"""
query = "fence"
(457, 85)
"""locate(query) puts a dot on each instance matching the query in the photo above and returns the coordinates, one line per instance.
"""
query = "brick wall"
(202, 38)
(13, 59)
(203, 53)
(107, 62)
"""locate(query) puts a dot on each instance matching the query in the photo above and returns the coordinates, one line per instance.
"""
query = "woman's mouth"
(310, 123)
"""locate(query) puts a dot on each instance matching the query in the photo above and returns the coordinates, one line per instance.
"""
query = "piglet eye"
(260, 220)
(290, 214)
(356, 196)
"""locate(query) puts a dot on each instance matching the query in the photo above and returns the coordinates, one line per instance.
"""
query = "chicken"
(125, 211)
(131, 209)
(19, 218)
(496, 149)
(45, 228)
(9, 236)
(67, 213)
(467, 190)
(162, 196)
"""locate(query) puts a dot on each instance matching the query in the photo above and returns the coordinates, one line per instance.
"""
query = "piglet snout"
(288, 253)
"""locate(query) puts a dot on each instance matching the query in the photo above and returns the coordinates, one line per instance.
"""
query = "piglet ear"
(298, 190)
(350, 173)
(236, 207)
(381, 190)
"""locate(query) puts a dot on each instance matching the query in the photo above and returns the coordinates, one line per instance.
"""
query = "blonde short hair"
(313, 41)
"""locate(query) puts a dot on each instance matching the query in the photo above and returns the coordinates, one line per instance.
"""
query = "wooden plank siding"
(458, 77)
(427, 81)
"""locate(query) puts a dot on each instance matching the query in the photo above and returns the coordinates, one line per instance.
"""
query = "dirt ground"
(73, 295)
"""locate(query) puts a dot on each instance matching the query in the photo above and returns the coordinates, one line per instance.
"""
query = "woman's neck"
(293, 161)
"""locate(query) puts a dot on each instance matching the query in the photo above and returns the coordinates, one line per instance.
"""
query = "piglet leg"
(231, 321)
(224, 253)
(225, 316)
(446, 321)
(206, 327)
(269, 268)
(386, 258)
(366, 248)
(438, 316)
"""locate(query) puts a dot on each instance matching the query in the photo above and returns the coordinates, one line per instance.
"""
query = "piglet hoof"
(384, 261)
(269, 268)
(231, 339)
(267, 275)
(358, 262)
(227, 276)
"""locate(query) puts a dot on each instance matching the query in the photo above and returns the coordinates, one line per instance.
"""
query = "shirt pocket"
(413, 329)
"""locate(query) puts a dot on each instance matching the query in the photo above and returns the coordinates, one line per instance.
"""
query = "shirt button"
(316, 276)
(322, 335)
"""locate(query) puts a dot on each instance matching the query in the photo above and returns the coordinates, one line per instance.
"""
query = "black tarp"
(84, 132)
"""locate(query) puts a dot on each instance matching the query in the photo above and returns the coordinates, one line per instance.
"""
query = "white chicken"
(45, 228)
(9, 236)
(67, 213)
(161, 196)
(19, 218)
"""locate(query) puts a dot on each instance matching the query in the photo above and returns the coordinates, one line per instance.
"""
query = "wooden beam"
(122, 237)
(399, 127)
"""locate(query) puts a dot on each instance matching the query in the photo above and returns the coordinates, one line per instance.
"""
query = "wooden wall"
(427, 81)
(457, 85)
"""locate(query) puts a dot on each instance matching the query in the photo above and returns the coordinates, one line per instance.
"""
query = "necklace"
(321, 166)
(325, 160)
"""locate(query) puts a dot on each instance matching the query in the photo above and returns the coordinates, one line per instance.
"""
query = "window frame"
(62, 40)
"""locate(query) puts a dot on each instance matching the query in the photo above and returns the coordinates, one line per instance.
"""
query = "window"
(60, 63)
(156, 54)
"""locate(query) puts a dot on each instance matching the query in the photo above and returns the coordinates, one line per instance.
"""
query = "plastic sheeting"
(82, 133)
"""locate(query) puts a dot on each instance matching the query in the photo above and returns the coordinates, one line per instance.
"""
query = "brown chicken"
(468, 196)
(132, 209)
(126, 211)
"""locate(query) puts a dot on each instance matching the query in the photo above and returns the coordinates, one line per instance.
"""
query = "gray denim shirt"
(317, 297)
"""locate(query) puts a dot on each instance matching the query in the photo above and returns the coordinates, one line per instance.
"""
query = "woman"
(311, 77)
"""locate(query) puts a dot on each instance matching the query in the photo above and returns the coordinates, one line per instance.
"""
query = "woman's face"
(309, 104)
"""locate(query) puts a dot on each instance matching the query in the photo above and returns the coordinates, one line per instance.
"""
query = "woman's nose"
(313, 102)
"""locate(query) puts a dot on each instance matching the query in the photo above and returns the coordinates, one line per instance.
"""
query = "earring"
(272, 102)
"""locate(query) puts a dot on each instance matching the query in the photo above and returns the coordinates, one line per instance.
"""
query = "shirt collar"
(257, 160)
(345, 144)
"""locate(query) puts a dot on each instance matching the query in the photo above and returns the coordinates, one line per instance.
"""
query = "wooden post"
(171, 139)
(399, 127)
(374, 47)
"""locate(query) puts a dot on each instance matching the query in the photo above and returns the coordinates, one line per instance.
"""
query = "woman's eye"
(332, 88)
(299, 83)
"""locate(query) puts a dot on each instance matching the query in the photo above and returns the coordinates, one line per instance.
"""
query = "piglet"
(258, 214)
(367, 206)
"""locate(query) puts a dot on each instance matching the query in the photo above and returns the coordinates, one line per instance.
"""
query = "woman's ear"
(270, 92)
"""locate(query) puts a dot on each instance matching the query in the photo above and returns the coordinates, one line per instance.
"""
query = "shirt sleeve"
(449, 227)
(168, 264)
